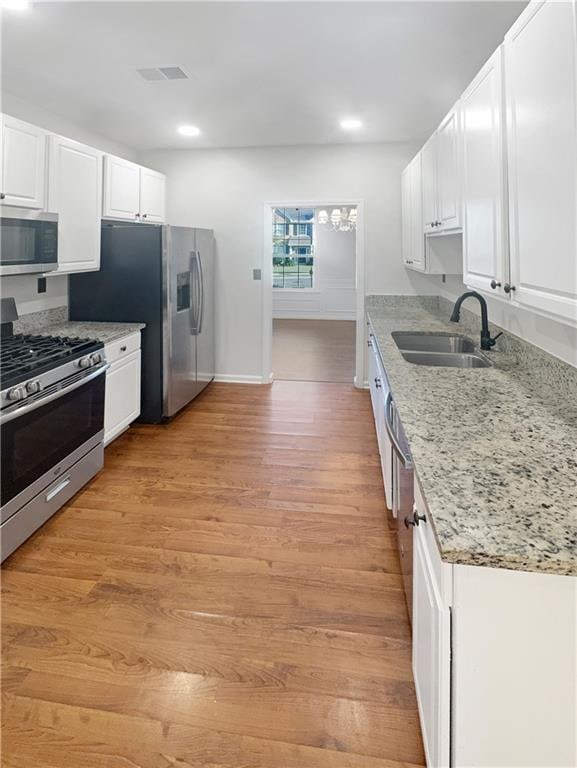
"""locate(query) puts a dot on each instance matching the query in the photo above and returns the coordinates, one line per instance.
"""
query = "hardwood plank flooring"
(225, 594)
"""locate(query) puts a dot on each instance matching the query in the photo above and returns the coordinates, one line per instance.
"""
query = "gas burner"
(25, 355)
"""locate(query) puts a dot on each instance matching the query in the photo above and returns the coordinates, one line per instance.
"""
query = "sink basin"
(446, 359)
(432, 342)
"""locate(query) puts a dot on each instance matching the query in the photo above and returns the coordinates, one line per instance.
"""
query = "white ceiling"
(276, 73)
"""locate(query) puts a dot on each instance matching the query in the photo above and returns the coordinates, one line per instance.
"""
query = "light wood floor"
(314, 350)
(224, 594)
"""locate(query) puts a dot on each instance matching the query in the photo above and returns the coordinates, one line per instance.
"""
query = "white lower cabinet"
(431, 640)
(494, 660)
(514, 669)
(122, 400)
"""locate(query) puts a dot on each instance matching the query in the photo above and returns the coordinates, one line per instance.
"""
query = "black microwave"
(28, 241)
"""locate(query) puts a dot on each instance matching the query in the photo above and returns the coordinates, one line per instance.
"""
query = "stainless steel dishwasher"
(403, 496)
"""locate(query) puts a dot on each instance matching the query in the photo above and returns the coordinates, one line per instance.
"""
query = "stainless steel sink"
(446, 359)
(432, 342)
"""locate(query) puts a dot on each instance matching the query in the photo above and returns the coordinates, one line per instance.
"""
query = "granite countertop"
(87, 329)
(494, 449)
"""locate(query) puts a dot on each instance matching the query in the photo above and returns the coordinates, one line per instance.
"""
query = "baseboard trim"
(315, 315)
(226, 378)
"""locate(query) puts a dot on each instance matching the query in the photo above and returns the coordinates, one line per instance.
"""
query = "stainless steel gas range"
(51, 424)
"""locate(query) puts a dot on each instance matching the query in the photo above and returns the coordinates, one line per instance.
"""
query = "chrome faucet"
(486, 341)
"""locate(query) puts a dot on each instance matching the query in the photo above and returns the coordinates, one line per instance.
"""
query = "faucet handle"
(494, 339)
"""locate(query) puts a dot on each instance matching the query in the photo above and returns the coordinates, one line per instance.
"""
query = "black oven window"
(36, 442)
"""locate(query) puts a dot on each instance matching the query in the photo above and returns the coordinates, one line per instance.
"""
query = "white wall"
(556, 338)
(227, 189)
(334, 293)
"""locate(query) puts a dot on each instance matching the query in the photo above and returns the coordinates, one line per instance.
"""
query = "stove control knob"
(84, 362)
(95, 358)
(33, 387)
(17, 393)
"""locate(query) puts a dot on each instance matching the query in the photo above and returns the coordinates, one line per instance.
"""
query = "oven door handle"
(405, 460)
(5, 418)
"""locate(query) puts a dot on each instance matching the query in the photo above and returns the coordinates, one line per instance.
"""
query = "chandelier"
(341, 219)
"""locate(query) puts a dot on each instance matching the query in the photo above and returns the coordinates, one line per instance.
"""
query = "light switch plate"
(257, 274)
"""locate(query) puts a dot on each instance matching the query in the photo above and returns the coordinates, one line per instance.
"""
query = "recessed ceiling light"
(351, 124)
(189, 130)
(15, 5)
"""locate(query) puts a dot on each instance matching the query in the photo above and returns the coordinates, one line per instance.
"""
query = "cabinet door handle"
(377, 382)
(494, 284)
(2, 195)
(123, 349)
(144, 215)
(508, 288)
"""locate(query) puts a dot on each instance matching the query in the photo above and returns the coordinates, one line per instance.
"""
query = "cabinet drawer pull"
(123, 348)
(2, 195)
(377, 382)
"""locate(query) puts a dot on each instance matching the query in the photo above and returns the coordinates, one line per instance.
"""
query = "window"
(293, 247)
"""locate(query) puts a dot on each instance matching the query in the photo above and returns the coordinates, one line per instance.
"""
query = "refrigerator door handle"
(200, 292)
(194, 292)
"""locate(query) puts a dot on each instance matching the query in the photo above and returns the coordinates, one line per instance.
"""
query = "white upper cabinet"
(132, 192)
(429, 184)
(75, 194)
(152, 188)
(541, 93)
(121, 189)
(449, 171)
(441, 176)
(412, 216)
(485, 236)
(23, 164)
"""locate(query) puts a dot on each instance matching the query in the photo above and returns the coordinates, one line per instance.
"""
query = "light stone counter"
(86, 329)
(495, 449)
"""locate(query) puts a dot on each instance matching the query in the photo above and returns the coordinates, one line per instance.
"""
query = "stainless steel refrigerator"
(163, 276)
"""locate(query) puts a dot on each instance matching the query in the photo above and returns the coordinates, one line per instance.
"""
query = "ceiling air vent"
(162, 73)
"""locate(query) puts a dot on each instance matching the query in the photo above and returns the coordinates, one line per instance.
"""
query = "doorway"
(317, 291)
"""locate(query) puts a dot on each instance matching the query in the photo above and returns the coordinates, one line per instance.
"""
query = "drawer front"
(120, 348)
